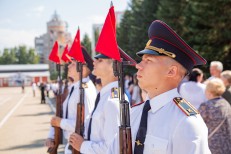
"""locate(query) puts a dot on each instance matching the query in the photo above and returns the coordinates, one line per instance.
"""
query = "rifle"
(58, 131)
(65, 91)
(79, 128)
(125, 139)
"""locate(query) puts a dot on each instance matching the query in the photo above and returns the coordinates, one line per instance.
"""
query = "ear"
(172, 71)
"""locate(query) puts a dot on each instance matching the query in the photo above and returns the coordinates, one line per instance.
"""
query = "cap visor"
(101, 56)
(147, 51)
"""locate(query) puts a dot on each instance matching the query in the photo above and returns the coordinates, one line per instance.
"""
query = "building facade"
(56, 31)
(15, 75)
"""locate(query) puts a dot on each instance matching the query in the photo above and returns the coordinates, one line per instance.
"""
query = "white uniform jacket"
(105, 122)
(68, 124)
(169, 130)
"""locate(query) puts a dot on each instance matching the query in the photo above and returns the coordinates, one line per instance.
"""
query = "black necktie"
(89, 128)
(72, 89)
(141, 134)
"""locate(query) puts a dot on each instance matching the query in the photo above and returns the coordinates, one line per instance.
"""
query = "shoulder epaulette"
(185, 106)
(114, 92)
(84, 85)
(137, 104)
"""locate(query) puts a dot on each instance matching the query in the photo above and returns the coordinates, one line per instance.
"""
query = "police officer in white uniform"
(68, 122)
(165, 123)
(105, 118)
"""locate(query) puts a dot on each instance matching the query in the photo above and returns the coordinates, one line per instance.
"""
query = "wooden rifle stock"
(79, 128)
(125, 139)
(65, 91)
(58, 131)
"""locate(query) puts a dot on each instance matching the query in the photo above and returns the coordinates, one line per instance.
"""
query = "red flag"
(76, 51)
(54, 55)
(107, 43)
(65, 57)
(113, 19)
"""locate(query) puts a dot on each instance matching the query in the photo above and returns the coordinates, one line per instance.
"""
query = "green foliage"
(173, 15)
(204, 25)
(54, 75)
(132, 33)
(209, 29)
(19, 55)
(86, 42)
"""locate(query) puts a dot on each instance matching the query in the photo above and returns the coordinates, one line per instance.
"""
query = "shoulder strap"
(215, 130)
(185, 106)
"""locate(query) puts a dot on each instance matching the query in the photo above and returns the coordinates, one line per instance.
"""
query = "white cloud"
(6, 21)
(38, 11)
(10, 38)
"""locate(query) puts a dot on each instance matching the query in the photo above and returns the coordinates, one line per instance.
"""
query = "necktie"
(89, 128)
(141, 134)
(72, 89)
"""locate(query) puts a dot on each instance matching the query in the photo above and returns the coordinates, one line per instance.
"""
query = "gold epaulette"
(114, 92)
(185, 106)
(84, 85)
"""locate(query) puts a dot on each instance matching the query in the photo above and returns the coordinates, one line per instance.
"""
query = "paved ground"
(24, 122)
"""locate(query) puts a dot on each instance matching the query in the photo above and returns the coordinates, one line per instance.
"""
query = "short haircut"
(194, 74)
(218, 64)
(216, 87)
(227, 75)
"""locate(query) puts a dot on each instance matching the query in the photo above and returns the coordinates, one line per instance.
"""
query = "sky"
(23, 20)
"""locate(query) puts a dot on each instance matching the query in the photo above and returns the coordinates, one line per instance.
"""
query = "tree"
(86, 42)
(8, 57)
(174, 15)
(54, 75)
(133, 30)
(208, 29)
(33, 58)
(19, 55)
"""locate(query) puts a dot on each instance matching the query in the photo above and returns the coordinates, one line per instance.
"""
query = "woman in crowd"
(216, 113)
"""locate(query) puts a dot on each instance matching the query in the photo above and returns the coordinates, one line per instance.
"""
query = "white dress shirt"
(193, 92)
(169, 130)
(105, 122)
(68, 124)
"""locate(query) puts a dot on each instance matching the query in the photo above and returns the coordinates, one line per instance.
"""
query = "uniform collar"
(76, 84)
(162, 99)
(108, 87)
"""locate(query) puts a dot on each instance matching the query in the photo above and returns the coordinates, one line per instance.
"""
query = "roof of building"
(24, 67)
(30, 74)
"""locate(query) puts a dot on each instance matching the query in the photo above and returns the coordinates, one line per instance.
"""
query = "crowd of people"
(173, 109)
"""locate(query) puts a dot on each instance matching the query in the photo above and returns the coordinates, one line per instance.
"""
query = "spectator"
(42, 88)
(23, 86)
(226, 78)
(216, 67)
(136, 94)
(126, 81)
(216, 113)
(34, 88)
(48, 87)
(193, 90)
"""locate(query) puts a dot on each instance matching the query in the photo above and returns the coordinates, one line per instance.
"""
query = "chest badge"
(114, 92)
(138, 143)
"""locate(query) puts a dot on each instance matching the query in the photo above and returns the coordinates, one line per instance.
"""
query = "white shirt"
(169, 130)
(68, 125)
(34, 86)
(193, 92)
(105, 122)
